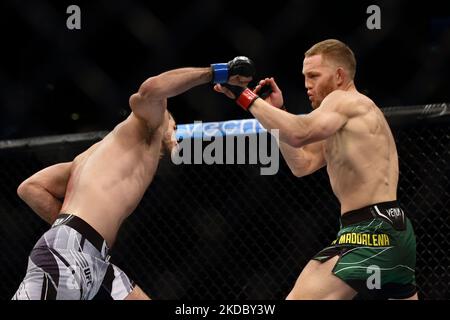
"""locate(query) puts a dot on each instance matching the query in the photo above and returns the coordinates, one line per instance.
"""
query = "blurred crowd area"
(55, 81)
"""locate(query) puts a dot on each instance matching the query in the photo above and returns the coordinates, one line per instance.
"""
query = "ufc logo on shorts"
(88, 276)
(74, 281)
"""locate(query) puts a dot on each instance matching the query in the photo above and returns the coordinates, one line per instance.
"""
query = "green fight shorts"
(376, 246)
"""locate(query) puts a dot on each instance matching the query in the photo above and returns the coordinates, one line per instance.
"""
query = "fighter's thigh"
(317, 281)
(46, 279)
(137, 294)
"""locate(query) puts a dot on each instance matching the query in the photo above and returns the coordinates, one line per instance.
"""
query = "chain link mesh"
(226, 232)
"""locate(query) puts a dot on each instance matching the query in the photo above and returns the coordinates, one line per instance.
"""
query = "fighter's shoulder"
(338, 95)
(350, 103)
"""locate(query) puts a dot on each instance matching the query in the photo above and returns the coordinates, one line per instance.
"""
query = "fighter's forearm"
(175, 82)
(296, 158)
(41, 201)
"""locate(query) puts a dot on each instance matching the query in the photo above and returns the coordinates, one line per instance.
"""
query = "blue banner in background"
(200, 129)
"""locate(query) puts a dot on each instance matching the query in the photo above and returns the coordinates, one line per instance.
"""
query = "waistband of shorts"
(367, 213)
(83, 228)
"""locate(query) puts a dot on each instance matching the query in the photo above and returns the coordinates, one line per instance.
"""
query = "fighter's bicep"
(327, 123)
(332, 114)
(320, 125)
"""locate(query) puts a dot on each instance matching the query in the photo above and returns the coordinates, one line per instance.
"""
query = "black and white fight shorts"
(71, 262)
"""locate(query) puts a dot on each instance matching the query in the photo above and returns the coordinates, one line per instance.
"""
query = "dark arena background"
(206, 232)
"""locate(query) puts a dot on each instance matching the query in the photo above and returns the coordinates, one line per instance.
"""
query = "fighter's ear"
(340, 75)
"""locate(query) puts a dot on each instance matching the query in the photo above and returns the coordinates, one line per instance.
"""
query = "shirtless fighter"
(86, 200)
(375, 249)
